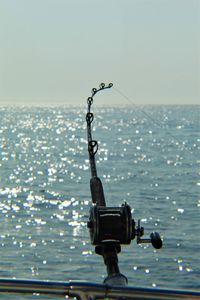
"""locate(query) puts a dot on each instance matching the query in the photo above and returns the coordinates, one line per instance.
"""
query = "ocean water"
(148, 157)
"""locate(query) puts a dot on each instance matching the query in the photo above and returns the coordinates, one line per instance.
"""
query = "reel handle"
(155, 238)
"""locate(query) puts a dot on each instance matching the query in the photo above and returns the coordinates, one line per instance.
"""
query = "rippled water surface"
(45, 196)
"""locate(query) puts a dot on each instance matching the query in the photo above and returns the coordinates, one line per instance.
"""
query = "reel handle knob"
(156, 240)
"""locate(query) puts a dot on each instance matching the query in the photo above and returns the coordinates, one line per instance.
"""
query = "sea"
(148, 157)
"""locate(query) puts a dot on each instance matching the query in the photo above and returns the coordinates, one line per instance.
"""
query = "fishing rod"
(95, 182)
(110, 227)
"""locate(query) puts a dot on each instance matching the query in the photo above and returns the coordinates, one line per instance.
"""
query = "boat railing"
(85, 290)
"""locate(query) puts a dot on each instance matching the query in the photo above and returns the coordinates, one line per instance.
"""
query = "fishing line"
(153, 120)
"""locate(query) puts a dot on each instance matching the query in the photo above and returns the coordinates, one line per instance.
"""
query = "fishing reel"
(115, 224)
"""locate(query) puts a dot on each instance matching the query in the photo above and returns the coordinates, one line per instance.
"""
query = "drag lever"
(155, 238)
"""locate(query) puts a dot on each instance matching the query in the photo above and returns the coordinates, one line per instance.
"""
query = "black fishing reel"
(115, 224)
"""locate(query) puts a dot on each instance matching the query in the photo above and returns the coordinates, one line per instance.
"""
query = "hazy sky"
(55, 51)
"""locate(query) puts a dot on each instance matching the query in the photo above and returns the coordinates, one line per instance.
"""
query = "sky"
(54, 52)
